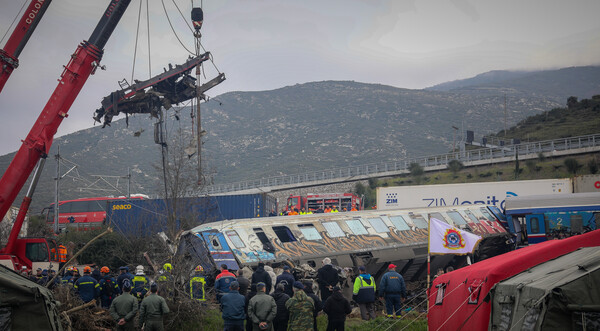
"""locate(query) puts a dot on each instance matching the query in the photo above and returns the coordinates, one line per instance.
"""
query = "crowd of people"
(291, 211)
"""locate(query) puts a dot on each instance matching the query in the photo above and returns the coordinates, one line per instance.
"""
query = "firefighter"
(165, 281)
(140, 283)
(197, 285)
(62, 256)
(109, 288)
(86, 286)
(124, 274)
(67, 277)
(335, 209)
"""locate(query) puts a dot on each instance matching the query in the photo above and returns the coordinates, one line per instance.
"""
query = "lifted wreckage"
(173, 86)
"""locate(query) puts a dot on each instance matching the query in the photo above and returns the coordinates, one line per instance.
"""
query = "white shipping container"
(490, 193)
(586, 183)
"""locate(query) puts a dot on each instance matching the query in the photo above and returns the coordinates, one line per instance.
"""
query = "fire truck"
(343, 201)
(30, 252)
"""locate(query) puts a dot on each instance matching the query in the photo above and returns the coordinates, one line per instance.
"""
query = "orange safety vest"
(62, 254)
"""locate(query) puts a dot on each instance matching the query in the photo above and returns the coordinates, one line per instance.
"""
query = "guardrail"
(478, 156)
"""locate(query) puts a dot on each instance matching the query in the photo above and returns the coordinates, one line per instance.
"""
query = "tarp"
(560, 294)
(457, 298)
(25, 305)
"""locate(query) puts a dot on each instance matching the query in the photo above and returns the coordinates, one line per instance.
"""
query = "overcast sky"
(267, 44)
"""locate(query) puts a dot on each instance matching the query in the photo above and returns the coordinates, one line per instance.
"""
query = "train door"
(536, 228)
(219, 249)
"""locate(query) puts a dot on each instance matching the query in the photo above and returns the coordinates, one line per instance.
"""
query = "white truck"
(490, 193)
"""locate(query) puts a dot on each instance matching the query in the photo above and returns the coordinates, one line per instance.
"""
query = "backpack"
(108, 287)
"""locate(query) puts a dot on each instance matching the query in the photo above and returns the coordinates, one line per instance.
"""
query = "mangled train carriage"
(370, 238)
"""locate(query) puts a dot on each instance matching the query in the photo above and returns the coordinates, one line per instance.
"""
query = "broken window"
(216, 244)
(284, 234)
(309, 232)
(267, 246)
(419, 221)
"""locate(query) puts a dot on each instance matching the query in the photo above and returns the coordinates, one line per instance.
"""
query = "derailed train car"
(370, 238)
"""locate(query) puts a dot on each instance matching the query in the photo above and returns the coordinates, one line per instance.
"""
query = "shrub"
(572, 165)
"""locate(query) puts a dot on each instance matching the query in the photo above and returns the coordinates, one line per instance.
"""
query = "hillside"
(294, 129)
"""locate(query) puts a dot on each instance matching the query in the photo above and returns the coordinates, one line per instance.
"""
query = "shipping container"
(146, 217)
(586, 183)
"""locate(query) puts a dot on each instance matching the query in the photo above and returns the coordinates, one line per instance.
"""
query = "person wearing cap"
(152, 310)
(232, 308)
(280, 323)
(223, 281)
(57, 280)
(262, 276)
(308, 289)
(44, 279)
(123, 308)
(364, 293)
(123, 274)
(336, 307)
(287, 279)
(262, 309)
(327, 278)
(393, 289)
(109, 288)
(140, 283)
(86, 286)
(197, 284)
(38, 275)
(301, 309)
(243, 281)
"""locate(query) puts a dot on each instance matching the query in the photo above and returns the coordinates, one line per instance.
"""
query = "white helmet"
(139, 270)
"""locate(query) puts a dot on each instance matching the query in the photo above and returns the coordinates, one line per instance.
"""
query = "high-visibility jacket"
(196, 285)
(62, 254)
(364, 289)
(334, 210)
(140, 286)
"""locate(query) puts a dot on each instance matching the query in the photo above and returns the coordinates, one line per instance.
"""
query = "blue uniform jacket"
(87, 287)
(392, 283)
(233, 304)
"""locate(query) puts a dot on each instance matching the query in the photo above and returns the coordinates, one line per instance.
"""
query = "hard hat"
(168, 267)
(87, 269)
(139, 270)
(199, 268)
(105, 270)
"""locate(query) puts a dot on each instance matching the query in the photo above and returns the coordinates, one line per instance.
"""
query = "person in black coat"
(249, 296)
(336, 307)
(308, 289)
(327, 277)
(244, 282)
(289, 280)
(261, 276)
(280, 323)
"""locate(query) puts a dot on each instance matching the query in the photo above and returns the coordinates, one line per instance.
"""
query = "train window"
(356, 226)
(399, 223)
(456, 218)
(235, 239)
(65, 207)
(471, 216)
(487, 214)
(267, 246)
(36, 252)
(535, 225)
(333, 229)
(78, 206)
(438, 216)
(284, 234)
(309, 232)
(419, 221)
(378, 225)
(97, 205)
(216, 244)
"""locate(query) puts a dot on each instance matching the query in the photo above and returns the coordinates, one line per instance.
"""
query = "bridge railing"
(490, 154)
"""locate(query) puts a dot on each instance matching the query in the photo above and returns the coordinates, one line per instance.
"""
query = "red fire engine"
(343, 201)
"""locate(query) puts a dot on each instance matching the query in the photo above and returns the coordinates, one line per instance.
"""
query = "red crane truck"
(35, 148)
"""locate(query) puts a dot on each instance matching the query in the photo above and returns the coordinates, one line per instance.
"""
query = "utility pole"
(454, 139)
(57, 178)
(505, 116)
(197, 19)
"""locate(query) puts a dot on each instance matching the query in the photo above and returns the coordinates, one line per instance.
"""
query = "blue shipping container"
(142, 218)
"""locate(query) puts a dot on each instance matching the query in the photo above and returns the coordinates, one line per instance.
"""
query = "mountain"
(306, 127)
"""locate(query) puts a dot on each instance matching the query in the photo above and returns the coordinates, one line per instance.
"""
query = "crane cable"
(173, 29)
(13, 22)
(137, 33)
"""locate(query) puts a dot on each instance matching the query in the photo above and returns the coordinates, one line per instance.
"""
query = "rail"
(480, 156)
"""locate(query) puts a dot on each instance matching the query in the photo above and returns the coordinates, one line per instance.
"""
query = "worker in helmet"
(75, 277)
(197, 285)
(109, 288)
(165, 281)
(67, 277)
(86, 286)
(141, 283)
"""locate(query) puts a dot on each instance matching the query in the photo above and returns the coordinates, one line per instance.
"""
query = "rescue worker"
(124, 307)
(327, 278)
(232, 307)
(364, 294)
(280, 322)
(302, 211)
(152, 310)
(86, 286)
(393, 289)
(287, 279)
(165, 281)
(44, 279)
(140, 283)
(335, 209)
(38, 275)
(124, 274)
(293, 212)
(197, 284)
(62, 256)
(67, 277)
(262, 309)
(223, 281)
(336, 307)
(109, 288)
(301, 309)
(260, 275)
(75, 277)
(57, 280)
